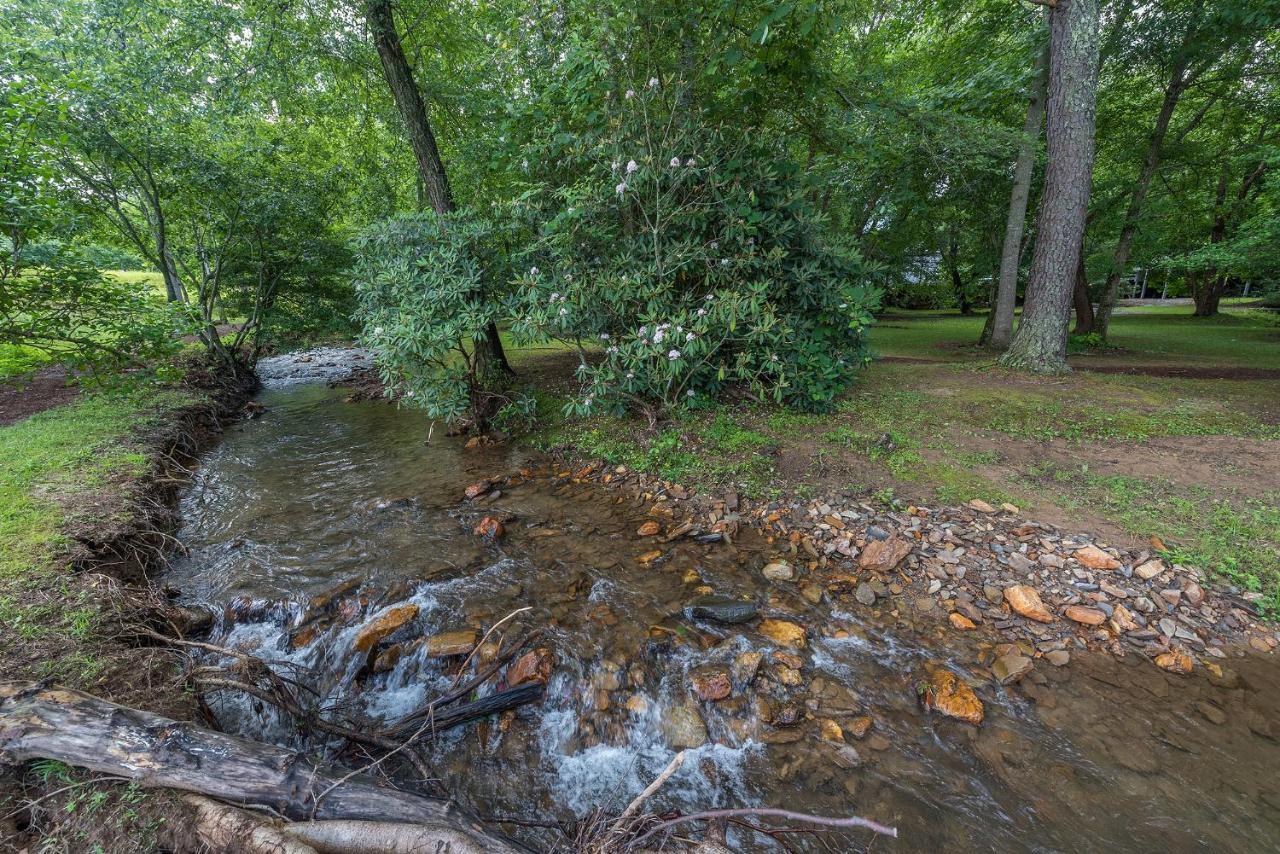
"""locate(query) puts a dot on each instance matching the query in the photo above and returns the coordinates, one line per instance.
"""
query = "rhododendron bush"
(685, 257)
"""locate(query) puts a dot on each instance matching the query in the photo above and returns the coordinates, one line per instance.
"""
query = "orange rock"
(783, 632)
(947, 694)
(1095, 558)
(451, 643)
(1088, 616)
(710, 685)
(961, 622)
(859, 726)
(649, 557)
(1024, 600)
(830, 730)
(386, 623)
(981, 506)
(1175, 661)
(884, 555)
(302, 637)
(534, 666)
(648, 529)
(479, 488)
(388, 658)
(489, 527)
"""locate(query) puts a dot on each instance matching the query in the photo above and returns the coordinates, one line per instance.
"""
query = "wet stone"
(721, 609)
(683, 727)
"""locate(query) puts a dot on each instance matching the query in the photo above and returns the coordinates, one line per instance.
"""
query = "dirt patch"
(25, 396)
(1187, 373)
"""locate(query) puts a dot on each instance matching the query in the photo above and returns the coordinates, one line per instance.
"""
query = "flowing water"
(321, 495)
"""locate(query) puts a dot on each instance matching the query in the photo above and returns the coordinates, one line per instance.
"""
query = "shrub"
(425, 286)
(690, 252)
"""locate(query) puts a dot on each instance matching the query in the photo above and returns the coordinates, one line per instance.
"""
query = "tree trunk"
(1155, 146)
(38, 722)
(1011, 253)
(1040, 344)
(952, 256)
(399, 76)
(1083, 302)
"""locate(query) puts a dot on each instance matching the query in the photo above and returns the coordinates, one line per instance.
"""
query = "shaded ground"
(24, 396)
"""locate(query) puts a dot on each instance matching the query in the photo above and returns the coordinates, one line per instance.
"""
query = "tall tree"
(1001, 329)
(408, 98)
(1040, 344)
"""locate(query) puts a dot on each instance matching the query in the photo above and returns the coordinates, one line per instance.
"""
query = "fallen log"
(43, 722)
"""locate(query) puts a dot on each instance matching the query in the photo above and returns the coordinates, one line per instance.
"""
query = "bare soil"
(25, 396)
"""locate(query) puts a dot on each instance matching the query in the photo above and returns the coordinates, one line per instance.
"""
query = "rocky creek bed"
(977, 679)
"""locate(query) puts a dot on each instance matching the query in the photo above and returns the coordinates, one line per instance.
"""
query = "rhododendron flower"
(533, 271)
(621, 188)
(658, 335)
(631, 166)
(653, 82)
(409, 393)
(377, 330)
(702, 312)
(689, 393)
(673, 355)
(689, 336)
(690, 163)
(555, 296)
(631, 93)
(675, 161)
(563, 312)
(604, 336)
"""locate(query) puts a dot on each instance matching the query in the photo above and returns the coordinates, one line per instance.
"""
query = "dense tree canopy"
(838, 153)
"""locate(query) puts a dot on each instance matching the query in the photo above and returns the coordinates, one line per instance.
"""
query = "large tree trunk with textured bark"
(39, 722)
(408, 99)
(1001, 330)
(1040, 343)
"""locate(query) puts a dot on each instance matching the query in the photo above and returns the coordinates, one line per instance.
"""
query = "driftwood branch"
(41, 722)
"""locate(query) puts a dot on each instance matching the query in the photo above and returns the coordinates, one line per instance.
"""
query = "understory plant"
(424, 292)
(689, 253)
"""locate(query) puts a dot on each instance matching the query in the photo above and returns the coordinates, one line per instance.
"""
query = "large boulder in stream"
(721, 609)
(683, 727)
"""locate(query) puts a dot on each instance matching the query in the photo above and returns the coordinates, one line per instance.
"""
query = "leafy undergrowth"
(1234, 537)
(49, 463)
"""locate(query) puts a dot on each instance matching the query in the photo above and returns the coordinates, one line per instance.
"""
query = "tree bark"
(1040, 344)
(1011, 253)
(431, 171)
(1178, 81)
(1083, 302)
(38, 722)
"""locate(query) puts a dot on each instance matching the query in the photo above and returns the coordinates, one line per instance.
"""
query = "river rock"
(1175, 661)
(884, 555)
(829, 730)
(783, 632)
(1095, 558)
(981, 506)
(1194, 594)
(384, 624)
(865, 594)
(489, 528)
(1011, 667)
(478, 488)
(1087, 616)
(710, 685)
(683, 727)
(1150, 569)
(1025, 601)
(648, 529)
(721, 609)
(446, 644)
(745, 666)
(778, 571)
(859, 726)
(534, 666)
(1058, 657)
(961, 622)
(947, 694)
(388, 658)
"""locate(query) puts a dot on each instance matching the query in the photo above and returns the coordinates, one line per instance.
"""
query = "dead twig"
(707, 815)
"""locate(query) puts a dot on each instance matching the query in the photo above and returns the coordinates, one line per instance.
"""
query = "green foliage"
(690, 251)
(425, 285)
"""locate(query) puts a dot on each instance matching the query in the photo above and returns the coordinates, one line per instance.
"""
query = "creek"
(322, 495)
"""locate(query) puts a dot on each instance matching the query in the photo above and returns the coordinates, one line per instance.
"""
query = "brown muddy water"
(1103, 754)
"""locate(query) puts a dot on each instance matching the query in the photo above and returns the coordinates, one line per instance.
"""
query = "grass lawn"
(1165, 335)
(1194, 462)
(50, 464)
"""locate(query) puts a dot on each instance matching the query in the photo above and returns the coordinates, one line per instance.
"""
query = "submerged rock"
(383, 625)
(783, 632)
(778, 571)
(1011, 667)
(947, 694)
(711, 684)
(533, 666)
(722, 609)
(682, 726)
(490, 528)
